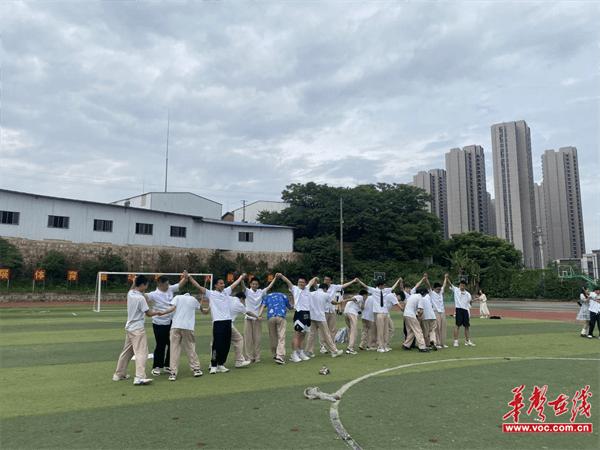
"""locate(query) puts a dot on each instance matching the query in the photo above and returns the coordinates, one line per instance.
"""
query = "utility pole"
(243, 210)
(167, 153)
(341, 241)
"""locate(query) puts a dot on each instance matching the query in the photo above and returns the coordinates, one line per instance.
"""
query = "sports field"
(56, 390)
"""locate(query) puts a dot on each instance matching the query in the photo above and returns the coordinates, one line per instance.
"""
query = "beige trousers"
(317, 327)
(440, 328)
(135, 344)
(368, 338)
(413, 331)
(390, 330)
(252, 333)
(237, 342)
(352, 324)
(382, 329)
(428, 328)
(277, 327)
(185, 339)
(331, 320)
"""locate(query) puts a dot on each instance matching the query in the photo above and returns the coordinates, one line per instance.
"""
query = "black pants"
(162, 336)
(594, 320)
(221, 342)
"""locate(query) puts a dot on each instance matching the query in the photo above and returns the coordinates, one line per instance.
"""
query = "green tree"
(10, 257)
(56, 266)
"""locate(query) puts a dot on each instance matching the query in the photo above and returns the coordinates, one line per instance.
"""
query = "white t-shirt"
(332, 291)
(184, 316)
(301, 298)
(236, 307)
(377, 295)
(412, 305)
(253, 301)
(162, 301)
(353, 305)
(367, 313)
(318, 304)
(462, 299)
(428, 312)
(594, 303)
(136, 309)
(437, 300)
(219, 304)
(389, 301)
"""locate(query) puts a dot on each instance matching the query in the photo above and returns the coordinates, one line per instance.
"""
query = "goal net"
(111, 281)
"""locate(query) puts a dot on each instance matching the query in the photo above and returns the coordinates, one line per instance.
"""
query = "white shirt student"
(354, 305)
(136, 310)
(162, 302)
(220, 305)
(184, 316)
(367, 313)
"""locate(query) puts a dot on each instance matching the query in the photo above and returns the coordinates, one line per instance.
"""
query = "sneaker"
(173, 377)
(197, 373)
(470, 344)
(167, 369)
(381, 350)
(404, 347)
(295, 358)
(141, 381)
(590, 336)
(337, 353)
(424, 350)
(303, 356)
(279, 360)
(361, 348)
(222, 369)
(371, 349)
(118, 378)
(583, 335)
(445, 346)
(351, 351)
(212, 370)
(310, 354)
(434, 348)
(256, 361)
(156, 371)
(438, 347)
(455, 344)
(240, 364)
(324, 350)
(388, 349)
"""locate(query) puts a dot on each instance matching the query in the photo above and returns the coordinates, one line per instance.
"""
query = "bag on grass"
(341, 336)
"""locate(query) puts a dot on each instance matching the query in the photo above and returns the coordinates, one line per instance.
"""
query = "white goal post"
(207, 281)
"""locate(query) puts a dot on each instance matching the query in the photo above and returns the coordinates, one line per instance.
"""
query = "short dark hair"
(323, 286)
(402, 295)
(255, 279)
(327, 276)
(436, 285)
(219, 279)
(240, 295)
(302, 278)
(379, 281)
(408, 284)
(363, 292)
(163, 279)
(139, 280)
(462, 282)
(422, 290)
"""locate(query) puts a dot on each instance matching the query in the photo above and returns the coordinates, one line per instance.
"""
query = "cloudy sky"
(262, 94)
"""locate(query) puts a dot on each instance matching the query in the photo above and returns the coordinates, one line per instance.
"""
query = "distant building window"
(9, 217)
(178, 232)
(244, 236)
(143, 228)
(103, 225)
(58, 222)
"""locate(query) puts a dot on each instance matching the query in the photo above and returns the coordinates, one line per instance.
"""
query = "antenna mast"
(167, 152)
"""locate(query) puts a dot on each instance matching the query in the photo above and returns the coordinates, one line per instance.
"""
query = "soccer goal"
(205, 279)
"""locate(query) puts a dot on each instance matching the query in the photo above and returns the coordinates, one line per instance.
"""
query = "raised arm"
(285, 280)
(447, 281)
(362, 284)
(201, 288)
(420, 282)
(312, 282)
(238, 281)
(344, 286)
(398, 281)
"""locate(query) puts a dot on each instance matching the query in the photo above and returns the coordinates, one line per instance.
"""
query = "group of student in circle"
(173, 320)
(589, 311)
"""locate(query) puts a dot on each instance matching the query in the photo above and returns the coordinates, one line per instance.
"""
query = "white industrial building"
(41, 217)
(249, 213)
(175, 202)
(590, 264)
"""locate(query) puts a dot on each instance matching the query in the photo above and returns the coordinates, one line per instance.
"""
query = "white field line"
(334, 415)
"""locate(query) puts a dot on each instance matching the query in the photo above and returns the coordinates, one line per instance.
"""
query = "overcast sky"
(263, 94)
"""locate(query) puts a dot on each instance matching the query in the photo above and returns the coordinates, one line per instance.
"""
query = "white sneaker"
(222, 369)
(197, 373)
(445, 346)
(118, 378)
(212, 370)
(141, 381)
(303, 356)
(172, 377)
(156, 371)
(310, 354)
(381, 350)
(438, 346)
(240, 364)
(295, 358)
(351, 351)
(455, 344)
(324, 349)
(470, 344)
(388, 349)
(337, 353)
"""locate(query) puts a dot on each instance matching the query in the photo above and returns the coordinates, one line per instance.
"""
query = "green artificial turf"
(56, 390)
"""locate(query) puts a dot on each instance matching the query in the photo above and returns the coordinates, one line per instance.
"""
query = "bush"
(56, 266)
(10, 257)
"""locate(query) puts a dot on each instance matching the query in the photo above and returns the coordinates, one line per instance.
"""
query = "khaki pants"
(440, 328)
(277, 336)
(413, 331)
(382, 329)
(317, 327)
(352, 324)
(185, 339)
(135, 344)
(390, 331)
(368, 337)
(331, 320)
(252, 334)
(237, 342)
(428, 328)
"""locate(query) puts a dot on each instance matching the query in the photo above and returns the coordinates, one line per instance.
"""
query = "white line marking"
(334, 415)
